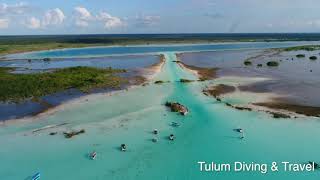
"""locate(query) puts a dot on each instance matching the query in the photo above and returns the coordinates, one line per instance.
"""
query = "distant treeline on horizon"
(127, 38)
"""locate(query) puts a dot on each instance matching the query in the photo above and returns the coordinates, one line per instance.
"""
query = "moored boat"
(123, 147)
(171, 137)
(36, 176)
(93, 155)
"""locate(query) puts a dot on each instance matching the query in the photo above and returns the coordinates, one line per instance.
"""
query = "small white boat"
(36, 176)
(239, 130)
(93, 155)
(171, 137)
(184, 113)
(123, 147)
(155, 131)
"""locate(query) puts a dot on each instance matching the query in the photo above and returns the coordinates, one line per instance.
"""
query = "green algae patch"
(247, 63)
(303, 48)
(17, 87)
(186, 80)
(272, 63)
(300, 55)
(313, 58)
(161, 82)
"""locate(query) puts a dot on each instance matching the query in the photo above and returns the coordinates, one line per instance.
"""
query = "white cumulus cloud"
(83, 13)
(33, 23)
(82, 16)
(10, 12)
(4, 23)
(53, 17)
(147, 20)
(12, 9)
(110, 21)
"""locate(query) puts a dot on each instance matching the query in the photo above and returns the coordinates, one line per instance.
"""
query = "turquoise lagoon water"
(206, 134)
(122, 50)
(129, 62)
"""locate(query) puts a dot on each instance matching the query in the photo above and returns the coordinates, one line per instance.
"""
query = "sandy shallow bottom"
(129, 117)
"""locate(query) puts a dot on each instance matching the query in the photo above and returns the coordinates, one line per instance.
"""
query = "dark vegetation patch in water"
(313, 58)
(247, 63)
(71, 134)
(299, 109)
(30, 94)
(94, 76)
(273, 63)
(18, 87)
(303, 48)
(186, 80)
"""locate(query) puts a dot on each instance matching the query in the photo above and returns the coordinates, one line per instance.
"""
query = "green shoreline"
(28, 45)
(18, 87)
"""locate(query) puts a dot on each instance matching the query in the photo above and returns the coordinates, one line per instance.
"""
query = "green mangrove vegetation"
(17, 87)
(273, 63)
(313, 58)
(159, 82)
(300, 55)
(27, 47)
(186, 80)
(247, 63)
(303, 48)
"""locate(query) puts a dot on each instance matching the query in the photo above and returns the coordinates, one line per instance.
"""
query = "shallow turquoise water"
(129, 117)
(130, 62)
(122, 50)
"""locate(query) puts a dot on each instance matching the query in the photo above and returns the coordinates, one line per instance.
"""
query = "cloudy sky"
(162, 16)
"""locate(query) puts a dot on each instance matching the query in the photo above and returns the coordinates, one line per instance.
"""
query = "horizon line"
(112, 34)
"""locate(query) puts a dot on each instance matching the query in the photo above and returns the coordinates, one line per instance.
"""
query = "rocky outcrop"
(186, 80)
(177, 107)
(73, 133)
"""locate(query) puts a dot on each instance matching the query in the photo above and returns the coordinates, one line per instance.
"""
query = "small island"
(247, 63)
(313, 58)
(300, 55)
(177, 107)
(273, 63)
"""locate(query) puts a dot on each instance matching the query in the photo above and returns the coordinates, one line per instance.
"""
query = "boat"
(93, 155)
(171, 137)
(184, 112)
(123, 147)
(155, 131)
(239, 130)
(36, 176)
(155, 140)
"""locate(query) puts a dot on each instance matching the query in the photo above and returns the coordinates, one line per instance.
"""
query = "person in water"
(242, 135)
